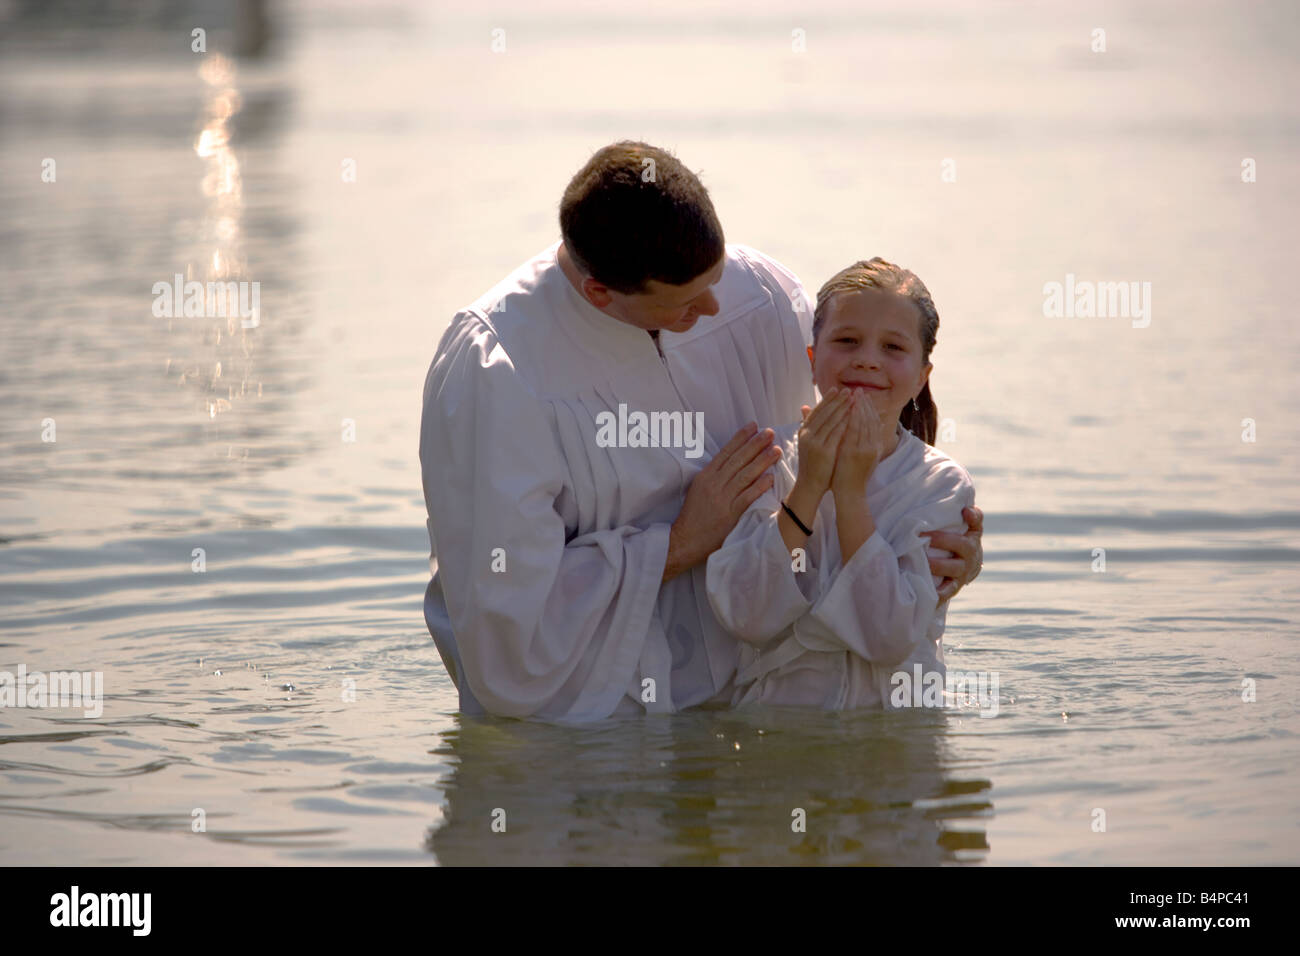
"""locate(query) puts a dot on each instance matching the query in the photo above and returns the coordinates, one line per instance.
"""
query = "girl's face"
(871, 341)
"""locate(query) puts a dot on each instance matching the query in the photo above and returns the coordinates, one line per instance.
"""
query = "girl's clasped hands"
(840, 443)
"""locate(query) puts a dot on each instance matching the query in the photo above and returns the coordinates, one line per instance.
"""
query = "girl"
(825, 578)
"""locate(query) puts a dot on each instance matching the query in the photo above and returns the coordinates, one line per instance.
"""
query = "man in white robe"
(568, 576)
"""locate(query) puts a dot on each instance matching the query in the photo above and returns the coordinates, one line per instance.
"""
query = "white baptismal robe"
(547, 549)
(831, 636)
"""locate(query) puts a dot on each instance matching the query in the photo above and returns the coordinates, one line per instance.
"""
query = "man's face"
(662, 306)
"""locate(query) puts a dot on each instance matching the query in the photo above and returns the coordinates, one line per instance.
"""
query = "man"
(589, 438)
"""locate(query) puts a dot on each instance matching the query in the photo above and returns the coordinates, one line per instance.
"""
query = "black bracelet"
(795, 518)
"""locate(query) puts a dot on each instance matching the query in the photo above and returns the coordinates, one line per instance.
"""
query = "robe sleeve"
(880, 606)
(752, 585)
(544, 626)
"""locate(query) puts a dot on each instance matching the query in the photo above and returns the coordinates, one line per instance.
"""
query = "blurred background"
(376, 166)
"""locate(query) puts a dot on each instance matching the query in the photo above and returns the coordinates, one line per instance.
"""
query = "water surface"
(290, 691)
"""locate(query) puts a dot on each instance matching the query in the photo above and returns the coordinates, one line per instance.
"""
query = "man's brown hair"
(634, 213)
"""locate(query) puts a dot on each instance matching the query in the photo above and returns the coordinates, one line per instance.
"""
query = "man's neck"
(569, 269)
(575, 279)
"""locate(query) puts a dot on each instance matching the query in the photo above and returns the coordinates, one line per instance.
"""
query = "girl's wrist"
(849, 492)
(804, 499)
(808, 483)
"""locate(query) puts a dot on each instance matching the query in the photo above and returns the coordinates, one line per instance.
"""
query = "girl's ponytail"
(923, 421)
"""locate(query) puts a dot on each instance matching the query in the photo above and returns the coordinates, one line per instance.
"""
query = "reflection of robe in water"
(833, 635)
(547, 596)
(874, 789)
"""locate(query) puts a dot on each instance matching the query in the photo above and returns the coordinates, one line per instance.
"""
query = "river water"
(228, 522)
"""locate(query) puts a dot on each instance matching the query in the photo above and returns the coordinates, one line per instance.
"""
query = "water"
(1120, 691)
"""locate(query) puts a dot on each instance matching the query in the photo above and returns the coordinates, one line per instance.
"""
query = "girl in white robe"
(819, 631)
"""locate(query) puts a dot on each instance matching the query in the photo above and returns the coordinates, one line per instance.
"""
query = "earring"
(915, 407)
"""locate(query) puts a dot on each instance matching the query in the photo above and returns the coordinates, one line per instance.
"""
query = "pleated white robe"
(574, 620)
(832, 636)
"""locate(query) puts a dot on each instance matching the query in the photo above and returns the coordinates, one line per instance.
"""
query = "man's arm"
(543, 627)
(719, 495)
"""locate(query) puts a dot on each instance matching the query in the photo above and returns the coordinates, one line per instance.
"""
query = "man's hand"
(968, 551)
(719, 495)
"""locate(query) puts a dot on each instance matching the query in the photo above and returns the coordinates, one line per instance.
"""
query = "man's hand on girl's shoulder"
(967, 550)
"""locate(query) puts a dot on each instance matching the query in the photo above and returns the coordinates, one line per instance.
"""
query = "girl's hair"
(878, 274)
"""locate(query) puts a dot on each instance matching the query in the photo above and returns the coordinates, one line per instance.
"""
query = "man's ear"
(597, 293)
